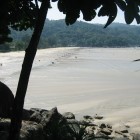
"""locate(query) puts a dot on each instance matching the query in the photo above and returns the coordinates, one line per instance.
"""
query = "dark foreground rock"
(40, 124)
(6, 100)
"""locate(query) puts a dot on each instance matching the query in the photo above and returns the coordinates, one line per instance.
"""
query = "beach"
(85, 81)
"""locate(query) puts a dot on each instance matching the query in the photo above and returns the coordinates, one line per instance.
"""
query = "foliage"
(108, 8)
(90, 35)
(17, 14)
(4, 47)
(21, 14)
(57, 34)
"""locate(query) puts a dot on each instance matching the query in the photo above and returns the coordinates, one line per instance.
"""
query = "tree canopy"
(108, 8)
(22, 14)
(16, 14)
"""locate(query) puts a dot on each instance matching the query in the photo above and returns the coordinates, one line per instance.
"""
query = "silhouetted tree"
(22, 14)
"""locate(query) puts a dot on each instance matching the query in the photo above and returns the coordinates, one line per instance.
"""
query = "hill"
(57, 34)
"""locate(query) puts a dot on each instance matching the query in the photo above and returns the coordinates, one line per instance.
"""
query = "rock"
(31, 131)
(73, 121)
(88, 137)
(119, 132)
(106, 131)
(56, 126)
(90, 129)
(69, 115)
(127, 126)
(86, 123)
(36, 117)
(98, 117)
(109, 126)
(6, 101)
(74, 125)
(101, 135)
(26, 114)
(87, 117)
(121, 138)
(102, 125)
(124, 131)
(35, 110)
(51, 125)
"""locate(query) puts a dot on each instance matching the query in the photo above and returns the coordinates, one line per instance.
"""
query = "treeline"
(57, 34)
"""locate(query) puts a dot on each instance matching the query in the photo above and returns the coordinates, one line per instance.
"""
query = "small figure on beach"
(0, 64)
(6, 101)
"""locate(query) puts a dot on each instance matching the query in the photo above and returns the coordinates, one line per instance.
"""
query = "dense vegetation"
(57, 34)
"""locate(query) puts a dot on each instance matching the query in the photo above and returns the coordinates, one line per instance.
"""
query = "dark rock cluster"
(40, 124)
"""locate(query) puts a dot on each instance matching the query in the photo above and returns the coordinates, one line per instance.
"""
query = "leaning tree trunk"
(16, 120)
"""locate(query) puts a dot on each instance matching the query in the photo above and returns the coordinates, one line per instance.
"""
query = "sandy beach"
(85, 81)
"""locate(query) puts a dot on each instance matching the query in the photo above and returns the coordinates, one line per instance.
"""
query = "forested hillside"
(57, 34)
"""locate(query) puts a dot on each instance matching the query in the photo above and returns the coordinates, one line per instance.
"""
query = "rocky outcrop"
(6, 100)
(29, 131)
(40, 124)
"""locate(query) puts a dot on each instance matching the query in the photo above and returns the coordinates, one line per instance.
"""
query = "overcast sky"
(54, 14)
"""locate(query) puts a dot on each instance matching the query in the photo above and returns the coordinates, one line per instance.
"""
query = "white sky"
(54, 14)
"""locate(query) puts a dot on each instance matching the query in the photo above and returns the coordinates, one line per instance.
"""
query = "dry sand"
(91, 81)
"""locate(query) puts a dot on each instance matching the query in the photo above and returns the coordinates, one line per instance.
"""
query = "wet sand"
(91, 81)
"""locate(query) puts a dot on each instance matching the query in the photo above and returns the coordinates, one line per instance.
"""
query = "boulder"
(106, 131)
(6, 101)
(98, 117)
(44, 124)
(101, 135)
(124, 131)
(26, 114)
(87, 117)
(103, 125)
(69, 115)
(31, 131)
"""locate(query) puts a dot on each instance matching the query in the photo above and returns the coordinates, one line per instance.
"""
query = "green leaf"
(129, 13)
(112, 14)
(103, 11)
(61, 6)
(121, 4)
(71, 16)
(137, 16)
(88, 15)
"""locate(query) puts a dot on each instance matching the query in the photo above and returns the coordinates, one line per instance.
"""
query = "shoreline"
(83, 81)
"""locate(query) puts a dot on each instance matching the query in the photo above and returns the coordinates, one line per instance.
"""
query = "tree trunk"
(16, 120)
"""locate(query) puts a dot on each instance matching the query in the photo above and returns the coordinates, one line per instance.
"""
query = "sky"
(54, 14)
